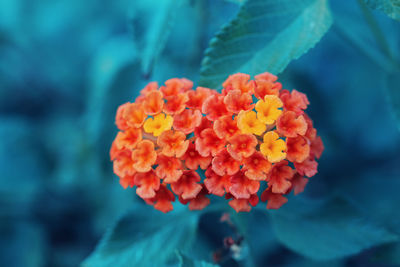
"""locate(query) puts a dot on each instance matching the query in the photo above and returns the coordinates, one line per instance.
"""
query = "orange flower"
(298, 149)
(216, 184)
(193, 160)
(123, 164)
(239, 81)
(176, 104)
(187, 121)
(187, 186)
(243, 187)
(197, 98)
(256, 167)
(153, 103)
(208, 143)
(223, 164)
(226, 127)
(173, 143)
(170, 132)
(279, 178)
(214, 107)
(144, 156)
(235, 101)
(294, 101)
(148, 183)
(291, 125)
(275, 201)
(128, 139)
(242, 146)
(308, 167)
(169, 169)
(163, 199)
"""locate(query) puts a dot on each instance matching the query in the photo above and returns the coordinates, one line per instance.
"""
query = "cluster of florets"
(252, 132)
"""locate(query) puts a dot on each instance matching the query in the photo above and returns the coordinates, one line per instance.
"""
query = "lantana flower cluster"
(252, 135)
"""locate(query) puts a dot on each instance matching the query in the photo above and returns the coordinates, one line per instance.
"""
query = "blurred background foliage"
(65, 66)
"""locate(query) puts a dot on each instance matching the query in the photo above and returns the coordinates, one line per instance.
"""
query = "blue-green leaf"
(145, 237)
(389, 7)
(326, 231)
(393, 89)
(388, 254)
(265, 36)
(185, 261)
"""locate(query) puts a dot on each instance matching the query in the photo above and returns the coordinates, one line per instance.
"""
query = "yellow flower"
(249, 124)
(158, 125)
(268, 109)
(273, 147)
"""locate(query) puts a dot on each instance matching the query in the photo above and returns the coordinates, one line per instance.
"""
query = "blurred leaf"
(159, 20)
(145, 237)
(328, 230)
(185, 261)
(388, 254)
(265, 36)
(389, 7)
(393, 89)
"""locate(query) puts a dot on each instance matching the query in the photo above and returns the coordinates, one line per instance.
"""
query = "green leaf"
(158, 21)
(145, 237)
(185, 261)
(265, 36)
(389, 7)
(327, 230)
(393, 89)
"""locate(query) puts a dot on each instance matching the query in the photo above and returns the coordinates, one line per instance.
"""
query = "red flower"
(128, 139)
(199, 202)
(256, 167)
(238, 81)
(294, 101)
(193, 159)
(176, 104)
(173, 87)
(235, 101)
(223, 164)
(214, 107)
(209, 143)
(169, 169)
(307, 167)
(217, 184)
(240, 205)
(266, 85)
(298, 149)
(187, 186)
(197, 98)
(291, 125)
(163, 199)
(298, 184)
(275, 201)
(226, 127)
(204, 124)
(148, 183)
(144, 156)
(279, 178)
(187, 121)
(243, 187)
(317, 147)
(153, 103)
(123, 164)
(173, 143)
(127, 180)
(242, 146)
